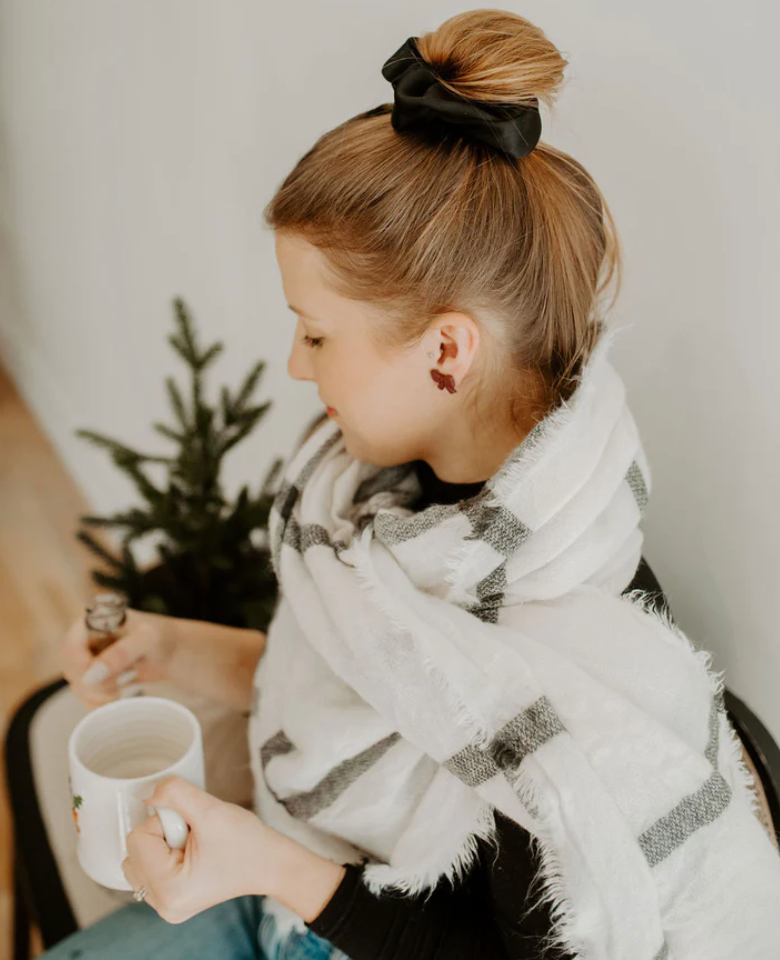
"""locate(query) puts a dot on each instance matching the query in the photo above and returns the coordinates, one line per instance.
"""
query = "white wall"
(140, 140)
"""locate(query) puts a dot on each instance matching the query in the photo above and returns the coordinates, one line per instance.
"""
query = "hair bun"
(494, 56)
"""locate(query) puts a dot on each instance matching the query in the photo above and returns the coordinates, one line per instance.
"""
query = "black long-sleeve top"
(493, 914)
(486, 917)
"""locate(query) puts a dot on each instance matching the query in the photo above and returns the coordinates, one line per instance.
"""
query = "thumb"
(114, 659)
(182, 796)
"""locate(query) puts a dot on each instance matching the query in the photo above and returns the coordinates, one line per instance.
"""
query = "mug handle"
(175, 827)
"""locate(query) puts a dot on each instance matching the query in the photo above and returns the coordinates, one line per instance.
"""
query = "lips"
(331, 411)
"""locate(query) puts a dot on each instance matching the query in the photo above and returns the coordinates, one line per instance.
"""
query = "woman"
(457, 662)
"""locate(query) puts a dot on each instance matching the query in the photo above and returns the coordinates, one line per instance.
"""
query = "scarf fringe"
(380, 877)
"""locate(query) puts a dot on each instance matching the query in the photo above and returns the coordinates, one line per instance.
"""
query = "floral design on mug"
(77, 801)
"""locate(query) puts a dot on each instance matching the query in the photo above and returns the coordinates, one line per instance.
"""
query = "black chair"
(763, 751)
(40, 896)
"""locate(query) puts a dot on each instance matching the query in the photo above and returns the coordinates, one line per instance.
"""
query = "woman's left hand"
(229, 853)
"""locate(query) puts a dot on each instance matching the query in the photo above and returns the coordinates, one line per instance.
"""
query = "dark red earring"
(445, 380)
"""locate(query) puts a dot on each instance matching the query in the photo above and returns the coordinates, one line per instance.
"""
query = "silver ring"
(140, 894)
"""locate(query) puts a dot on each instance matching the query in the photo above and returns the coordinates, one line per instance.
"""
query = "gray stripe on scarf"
(301, 538)
(285, 499)
(386, 479)
(305, 805)
(499, 527)
(490, 590)
(275, 746)
(695, 810)
(638, 486)
(309, 466)
(291, 534)
(288, 493)
(283, 506)
(692, 812)
(514, 741)
(711, 751)
(393, 529)
(533, 438)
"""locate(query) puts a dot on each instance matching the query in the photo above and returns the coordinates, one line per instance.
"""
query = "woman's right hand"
(146, 645)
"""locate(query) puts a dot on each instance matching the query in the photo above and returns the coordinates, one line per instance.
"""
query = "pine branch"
(227, 407)
(249, 384)
(118, 584)
(120, 454)
(129, 560)
(144, 486)
(139, 522)
(177, 403)
(98, 549)
(249, 421)
(170, 434)
(197, 392)
(209, 356)
(185, 342)
(115, 449)
(212, 565)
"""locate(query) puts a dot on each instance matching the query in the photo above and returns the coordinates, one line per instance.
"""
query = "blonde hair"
(418, 228)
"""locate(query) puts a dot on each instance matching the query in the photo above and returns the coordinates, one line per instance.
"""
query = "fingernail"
(126, 677)
(97, 673)
(131, 690)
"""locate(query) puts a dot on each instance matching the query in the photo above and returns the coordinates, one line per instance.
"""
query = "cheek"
(374, 399)
(384, 419)
(348, 383)
(369, 395)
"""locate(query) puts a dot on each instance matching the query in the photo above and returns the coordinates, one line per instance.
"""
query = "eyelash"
(312, 341)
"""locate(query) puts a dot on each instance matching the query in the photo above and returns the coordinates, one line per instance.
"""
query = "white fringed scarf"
(423, 668)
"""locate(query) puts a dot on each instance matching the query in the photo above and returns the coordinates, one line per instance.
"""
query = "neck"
(463, 457)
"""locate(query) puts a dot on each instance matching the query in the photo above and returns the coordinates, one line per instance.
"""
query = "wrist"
(301, 879)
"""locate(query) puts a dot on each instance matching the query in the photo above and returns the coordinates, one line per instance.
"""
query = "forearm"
(215, 661)
(304, 881)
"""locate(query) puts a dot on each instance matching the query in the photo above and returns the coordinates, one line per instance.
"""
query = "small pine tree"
(214, 557)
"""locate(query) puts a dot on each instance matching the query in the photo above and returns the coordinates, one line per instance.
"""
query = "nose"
(295, 368)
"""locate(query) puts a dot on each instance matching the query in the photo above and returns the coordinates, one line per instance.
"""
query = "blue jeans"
(237, 929)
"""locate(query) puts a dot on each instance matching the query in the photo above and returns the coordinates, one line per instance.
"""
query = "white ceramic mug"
(118, 753)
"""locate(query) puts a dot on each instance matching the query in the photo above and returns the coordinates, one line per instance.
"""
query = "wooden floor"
(44, 583)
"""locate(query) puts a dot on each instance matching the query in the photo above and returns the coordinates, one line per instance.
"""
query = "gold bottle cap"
(106, 611)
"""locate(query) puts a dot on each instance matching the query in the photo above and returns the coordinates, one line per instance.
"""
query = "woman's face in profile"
(384, 404)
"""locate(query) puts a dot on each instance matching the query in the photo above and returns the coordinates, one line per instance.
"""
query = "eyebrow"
(303, 314)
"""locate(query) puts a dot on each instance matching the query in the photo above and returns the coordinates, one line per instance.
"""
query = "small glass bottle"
(104, 618)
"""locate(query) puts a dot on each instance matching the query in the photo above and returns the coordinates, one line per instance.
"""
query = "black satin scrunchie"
(421, 102)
